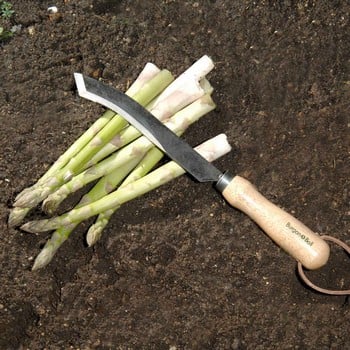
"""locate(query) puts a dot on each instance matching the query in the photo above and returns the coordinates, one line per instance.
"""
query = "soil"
(179, 268)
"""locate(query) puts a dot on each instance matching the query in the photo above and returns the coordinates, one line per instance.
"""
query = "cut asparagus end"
(196, 72)
(200, 68)
(149, 72)
(214, 148)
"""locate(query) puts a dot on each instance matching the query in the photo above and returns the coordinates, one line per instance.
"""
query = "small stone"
(31, 30)
(52, 9)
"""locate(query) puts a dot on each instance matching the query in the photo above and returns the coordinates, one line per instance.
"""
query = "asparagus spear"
(210, 150)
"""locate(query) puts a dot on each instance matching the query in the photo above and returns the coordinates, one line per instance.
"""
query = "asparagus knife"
(289, 233)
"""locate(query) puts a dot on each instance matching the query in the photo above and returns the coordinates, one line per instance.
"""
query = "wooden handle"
(289, 233)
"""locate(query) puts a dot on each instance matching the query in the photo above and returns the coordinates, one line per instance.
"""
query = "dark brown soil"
(178, 268)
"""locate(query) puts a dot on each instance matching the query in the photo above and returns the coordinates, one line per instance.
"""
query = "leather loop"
(312, 285)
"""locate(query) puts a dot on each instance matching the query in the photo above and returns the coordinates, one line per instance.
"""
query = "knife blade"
(190, 160)
(289, 233)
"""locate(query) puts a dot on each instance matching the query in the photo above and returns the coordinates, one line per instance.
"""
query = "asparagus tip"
(16, 216)
(43, 258)
(23, 192)
(30, 199)
(30, 227)
(93, 235)
(23, 200)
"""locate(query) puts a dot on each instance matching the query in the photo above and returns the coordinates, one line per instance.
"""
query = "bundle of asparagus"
(115, 154)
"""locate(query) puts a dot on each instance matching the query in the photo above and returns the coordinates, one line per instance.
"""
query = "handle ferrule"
(224, 181)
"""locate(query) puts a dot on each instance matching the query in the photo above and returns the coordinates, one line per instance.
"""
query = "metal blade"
(175, 147)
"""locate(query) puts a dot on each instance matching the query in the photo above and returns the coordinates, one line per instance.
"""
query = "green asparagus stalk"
(144, 96)
(210, 150)
(141, 146)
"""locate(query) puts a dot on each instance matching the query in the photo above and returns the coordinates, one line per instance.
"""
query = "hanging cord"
(319, 289)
